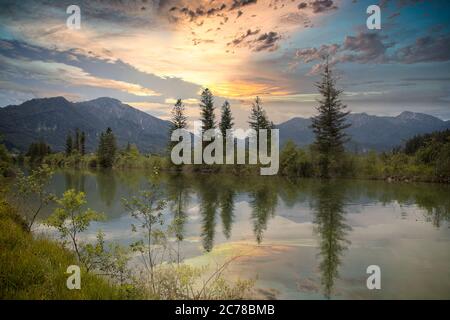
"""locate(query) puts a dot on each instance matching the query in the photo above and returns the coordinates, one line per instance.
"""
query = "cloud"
(54, 72)
(267, 41)
(322, 5)
(317, 6)
(311, 54)
(241, 3)
(369, 47)
(237, 41)
(199, 11)
(425, 49)
(365, 47)
(264, 42)
(102, 68)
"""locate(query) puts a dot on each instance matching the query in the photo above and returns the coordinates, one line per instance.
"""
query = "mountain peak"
(409, 115)
(106, 99)
(52, 119)
(57, 99)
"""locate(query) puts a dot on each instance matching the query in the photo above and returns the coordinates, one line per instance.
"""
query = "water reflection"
(106, 182)
(179, 197)
(217, 209)
(227, 199)
(208, 195)
(263, 201)
(332, 229)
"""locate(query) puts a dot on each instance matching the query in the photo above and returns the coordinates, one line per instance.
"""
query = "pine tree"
(76, 146)
(83, 143)
(177, 121)
(226, 121)
(258, 117)
(259, 120)
(69, 144)
(37, 151)
(107, 149)
(330, 124)
(207, 110)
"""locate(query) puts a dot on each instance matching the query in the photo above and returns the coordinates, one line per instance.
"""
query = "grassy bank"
(424, 158)
(294, 162)
(34, 267)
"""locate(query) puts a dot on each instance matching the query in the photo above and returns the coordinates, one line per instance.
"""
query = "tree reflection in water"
(263, 201)
(332, 230)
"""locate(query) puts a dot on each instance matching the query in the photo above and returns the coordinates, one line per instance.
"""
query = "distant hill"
(53, 118)
(367, 131)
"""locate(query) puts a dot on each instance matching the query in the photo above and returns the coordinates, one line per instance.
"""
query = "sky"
(148, 53)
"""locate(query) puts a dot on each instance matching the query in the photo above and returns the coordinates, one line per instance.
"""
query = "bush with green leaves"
(33, 186)
(70, 219)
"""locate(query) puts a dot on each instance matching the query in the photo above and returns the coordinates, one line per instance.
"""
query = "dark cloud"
(317, 6)
(322, 5)
(312, 54)
(237, 41)
(370, 47)
(241, 3)
(264, 42)
(267, 41)
(365, 47)
(425, 49)
(194, 13)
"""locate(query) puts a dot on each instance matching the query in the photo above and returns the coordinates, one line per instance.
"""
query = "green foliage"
(258, 117)
(76, 145)
(110, 260)
(179, 119)
(33, 186)
(107, 149)
(178, 122)
(295, 162)
(329, 125)
(146, 209)
(35, 268)
(37, 151)
(207, 110)
(419, 141)
(226, 120)
(6, 168)
(83, 143)
(69, 145)
(69, 219)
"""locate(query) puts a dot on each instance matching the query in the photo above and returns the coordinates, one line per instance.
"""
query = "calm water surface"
(302, 240)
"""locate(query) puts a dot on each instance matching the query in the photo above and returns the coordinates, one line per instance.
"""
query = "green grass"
(34, 267)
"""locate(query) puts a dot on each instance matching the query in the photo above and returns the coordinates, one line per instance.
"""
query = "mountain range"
(51, 119)
(368, 132)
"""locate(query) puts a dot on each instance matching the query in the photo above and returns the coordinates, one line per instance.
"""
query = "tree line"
(328, 125)
(258, 117)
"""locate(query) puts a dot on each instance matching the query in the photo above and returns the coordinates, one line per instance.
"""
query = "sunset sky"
(148, 53)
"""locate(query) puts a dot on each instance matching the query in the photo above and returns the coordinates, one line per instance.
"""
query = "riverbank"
(34, 267)
(294, 163)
